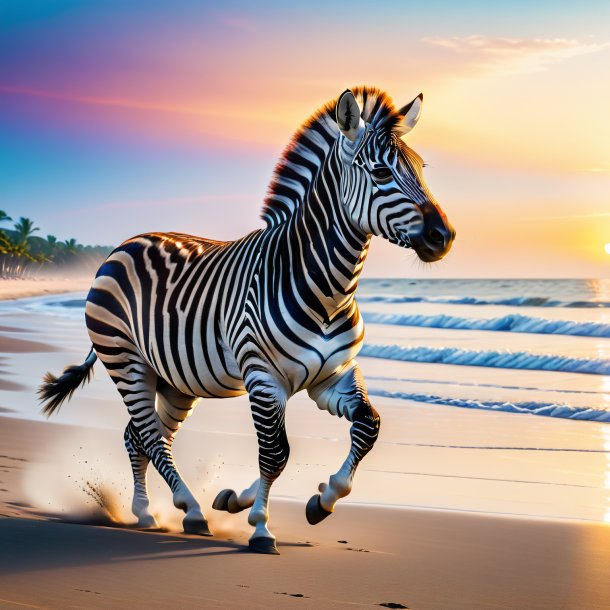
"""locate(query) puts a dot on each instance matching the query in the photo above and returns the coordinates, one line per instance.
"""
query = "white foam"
(488, 358)
(516, 323)
(547, 409)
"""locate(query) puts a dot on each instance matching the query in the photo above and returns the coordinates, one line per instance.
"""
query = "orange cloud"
(525, 54)
(119, 102)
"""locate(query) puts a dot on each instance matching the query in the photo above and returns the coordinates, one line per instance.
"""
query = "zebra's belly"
(206, 370)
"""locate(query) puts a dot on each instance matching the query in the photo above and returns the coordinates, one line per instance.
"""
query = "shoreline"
(427, 456)
(61, 428)
(15, 288)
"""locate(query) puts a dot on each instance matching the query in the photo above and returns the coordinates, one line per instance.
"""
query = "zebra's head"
(382, 183)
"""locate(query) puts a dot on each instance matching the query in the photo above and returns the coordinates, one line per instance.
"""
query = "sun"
(607, 248)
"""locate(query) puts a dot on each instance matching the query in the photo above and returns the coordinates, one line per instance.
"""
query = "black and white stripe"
(175, 318)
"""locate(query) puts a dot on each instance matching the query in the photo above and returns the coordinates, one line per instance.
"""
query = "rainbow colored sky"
(118, 117)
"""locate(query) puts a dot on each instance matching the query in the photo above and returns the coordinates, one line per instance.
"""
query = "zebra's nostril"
(436, 237)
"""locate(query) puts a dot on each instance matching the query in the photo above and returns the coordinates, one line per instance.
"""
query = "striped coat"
(175, 318)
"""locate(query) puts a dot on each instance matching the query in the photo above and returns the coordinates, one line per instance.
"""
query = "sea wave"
(488, 358)
(464, 300)
(472, 384)
(547, 409)
(515, 323)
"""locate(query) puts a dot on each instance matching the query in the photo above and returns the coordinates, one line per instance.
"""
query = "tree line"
(24, 254)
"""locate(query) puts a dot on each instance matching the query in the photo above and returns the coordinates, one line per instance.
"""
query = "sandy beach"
(454, 509)
(32, 287)
(419, 559)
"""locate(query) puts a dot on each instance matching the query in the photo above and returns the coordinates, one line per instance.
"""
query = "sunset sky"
(122, 117)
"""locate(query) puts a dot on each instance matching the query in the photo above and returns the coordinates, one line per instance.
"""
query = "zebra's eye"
(382, 173)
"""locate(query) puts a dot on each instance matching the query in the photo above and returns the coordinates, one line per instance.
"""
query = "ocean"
(518, 346)
(526, 346)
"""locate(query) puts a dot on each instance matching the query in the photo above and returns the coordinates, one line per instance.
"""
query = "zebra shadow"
(54, 540)
(41, 544)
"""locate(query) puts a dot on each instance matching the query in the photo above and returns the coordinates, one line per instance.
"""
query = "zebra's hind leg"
(160, 453)
(347, 396)
(154, 428)
(173, 407)
(268, 403)
(139, 464)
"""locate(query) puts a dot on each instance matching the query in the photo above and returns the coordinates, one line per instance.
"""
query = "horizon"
(122, 120)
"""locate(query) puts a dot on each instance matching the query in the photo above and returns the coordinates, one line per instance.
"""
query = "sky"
(119, 117)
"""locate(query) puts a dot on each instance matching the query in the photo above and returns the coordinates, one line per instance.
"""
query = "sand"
(59, 549)
(31, 287)
(361, 556)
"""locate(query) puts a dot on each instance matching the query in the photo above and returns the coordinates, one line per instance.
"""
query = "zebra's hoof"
(314, 510)
(196, 527)
(262, 545)
(223, 502)
(147, 522)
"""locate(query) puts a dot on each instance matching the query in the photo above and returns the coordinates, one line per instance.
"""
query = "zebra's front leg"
(268, 402)
(230, 502)
(347, 396)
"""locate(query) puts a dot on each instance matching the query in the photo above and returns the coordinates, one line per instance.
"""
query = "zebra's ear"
(348, 116)
(410, 114)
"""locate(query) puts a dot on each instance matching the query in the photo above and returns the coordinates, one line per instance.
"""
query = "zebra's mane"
(305, 153)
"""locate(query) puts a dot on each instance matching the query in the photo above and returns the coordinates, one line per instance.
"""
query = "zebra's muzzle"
(436, 237)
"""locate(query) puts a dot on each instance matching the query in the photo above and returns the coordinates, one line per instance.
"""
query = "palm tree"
(24, 228)
(66, 251)
(52, 247)
(70, 245)
(15, 257)
(6, 247)
(20, 257)
(4, 217)
(20, 254)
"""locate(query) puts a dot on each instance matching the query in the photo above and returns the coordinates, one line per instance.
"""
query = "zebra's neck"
(304, 206)
(326, 251)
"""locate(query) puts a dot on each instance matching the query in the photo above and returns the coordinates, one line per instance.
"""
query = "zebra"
(175, 318)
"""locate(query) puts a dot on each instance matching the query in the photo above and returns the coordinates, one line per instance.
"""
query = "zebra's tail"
(55, 390)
